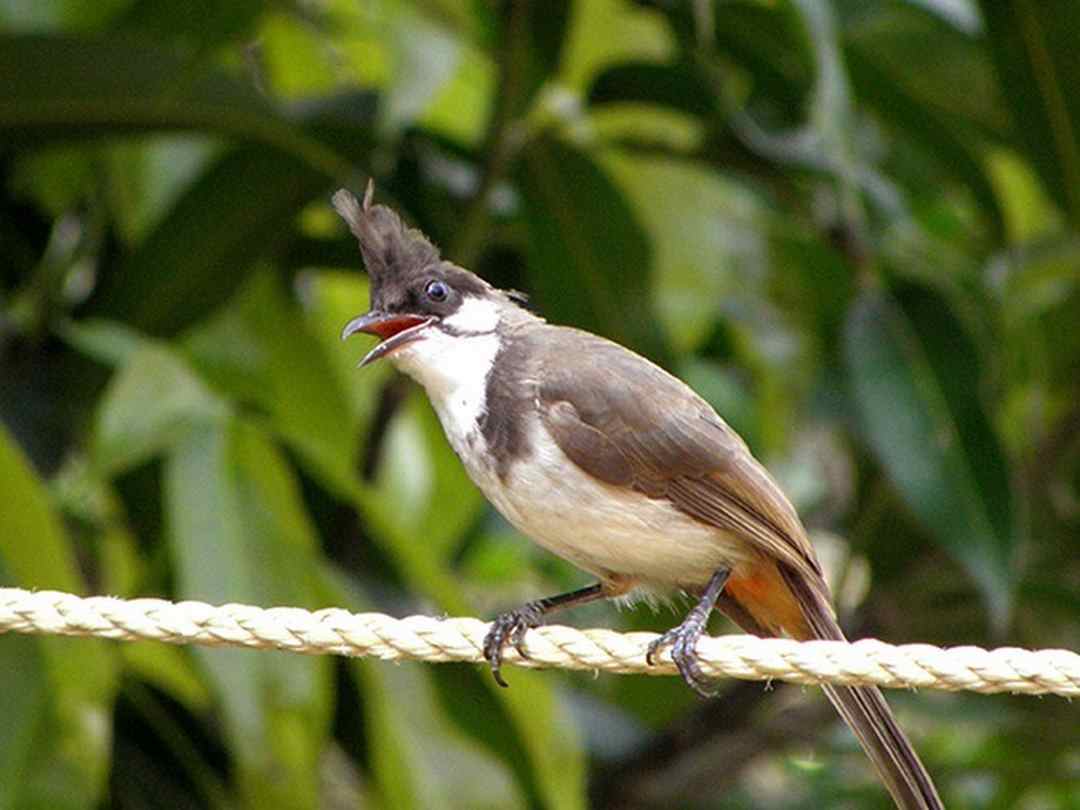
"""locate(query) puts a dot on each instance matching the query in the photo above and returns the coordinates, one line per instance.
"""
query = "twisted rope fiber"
(867, 662)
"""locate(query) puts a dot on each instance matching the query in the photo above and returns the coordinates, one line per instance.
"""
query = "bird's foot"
(510, 628)
(684, 638)
(683, 642)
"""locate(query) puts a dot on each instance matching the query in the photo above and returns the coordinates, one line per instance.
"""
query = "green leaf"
(259, 350)
(426, 57)
(239, 533)
(589, 258)
(1037, 277)
(296, 62)
(237, 211)
(144, 177)
(1029, 213)
(1038, 64)
(677, 85)
(420, 475)
(552, 757)
(55, 738)
(203, 24)
(151, 403)
(832, 105)
(706, 232)
(947, 105)
(330, 299)
(629, 34)
(64, 87)
(765, 40)
(49, 14)
(25, 704)
(35, 551)
(916, 384)
(422, 758)
(954, 86)
(538, 30)
(169, 669)
(108, 342)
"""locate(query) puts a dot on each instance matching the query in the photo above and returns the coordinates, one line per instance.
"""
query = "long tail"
(864, 709)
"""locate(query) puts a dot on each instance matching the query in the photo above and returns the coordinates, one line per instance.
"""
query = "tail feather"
(867, 714)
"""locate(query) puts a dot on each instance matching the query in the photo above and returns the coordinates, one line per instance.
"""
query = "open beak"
(394, 330)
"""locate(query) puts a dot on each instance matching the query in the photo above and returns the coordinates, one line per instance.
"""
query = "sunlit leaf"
(155, 400)
(295, 59)
(35, 550)
(462, 106)
(426, 57)
(706, 233)
(630, 33)
(1028, 211)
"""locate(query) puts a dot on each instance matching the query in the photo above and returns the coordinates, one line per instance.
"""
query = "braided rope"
(867, 662)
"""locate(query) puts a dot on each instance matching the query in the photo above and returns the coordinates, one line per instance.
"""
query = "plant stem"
(499, 146)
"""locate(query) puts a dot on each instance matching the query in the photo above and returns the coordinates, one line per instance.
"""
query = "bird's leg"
(510, 627)
(683, 638)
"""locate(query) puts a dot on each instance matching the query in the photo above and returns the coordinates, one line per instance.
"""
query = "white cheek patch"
(474, 315)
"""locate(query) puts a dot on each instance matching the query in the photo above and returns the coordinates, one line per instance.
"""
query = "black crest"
(402, 262)
(390, 248)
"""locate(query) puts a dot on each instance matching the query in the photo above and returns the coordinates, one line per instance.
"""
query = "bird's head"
(416, 296)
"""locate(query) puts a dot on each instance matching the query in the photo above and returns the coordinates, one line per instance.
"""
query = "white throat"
(454, 368)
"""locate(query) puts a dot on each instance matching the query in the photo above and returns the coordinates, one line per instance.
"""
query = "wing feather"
(670, 444)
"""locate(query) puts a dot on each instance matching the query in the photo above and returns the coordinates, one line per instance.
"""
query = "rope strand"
(423, 638)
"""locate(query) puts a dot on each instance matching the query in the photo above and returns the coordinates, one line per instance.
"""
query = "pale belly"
(611, 532)
(614, 533)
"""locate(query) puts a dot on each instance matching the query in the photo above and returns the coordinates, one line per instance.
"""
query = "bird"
(610, 462)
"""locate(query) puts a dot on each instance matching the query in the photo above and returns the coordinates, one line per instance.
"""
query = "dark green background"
(852, 226)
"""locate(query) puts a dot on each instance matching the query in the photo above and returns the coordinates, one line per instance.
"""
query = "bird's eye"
(436, 291)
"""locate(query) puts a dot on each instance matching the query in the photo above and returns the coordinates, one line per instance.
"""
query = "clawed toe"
(683, 643)
(509, 628)
(655, 646)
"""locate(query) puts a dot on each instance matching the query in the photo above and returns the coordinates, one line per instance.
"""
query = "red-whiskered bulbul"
(610, 462)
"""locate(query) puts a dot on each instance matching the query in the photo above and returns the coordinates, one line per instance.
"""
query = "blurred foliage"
(853, 226)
